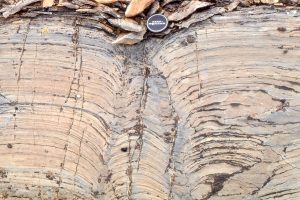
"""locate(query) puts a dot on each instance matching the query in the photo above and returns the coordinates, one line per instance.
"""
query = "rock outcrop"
(113, 15)
(209, 112)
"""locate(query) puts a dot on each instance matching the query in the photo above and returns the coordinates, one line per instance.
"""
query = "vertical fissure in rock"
(137, 140)
(77, 64)
(23, 49)
(191, 39)
(21, 63)
(77, 72)
(142, 105)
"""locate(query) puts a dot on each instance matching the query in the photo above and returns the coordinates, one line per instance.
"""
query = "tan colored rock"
(110, 1)
(201, 16)
(154, 8)
(251, 2)
(269, 1)
(48, 3)
(126, 24)
(106, 1)
(165, 2)
(13, 9)
(211, 112)
(130, 38)
(69, 5)
(187, 10)
(108, 10)
(232, 6)
(137, 6)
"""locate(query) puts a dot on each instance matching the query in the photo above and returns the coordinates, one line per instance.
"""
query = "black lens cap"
(157, 23)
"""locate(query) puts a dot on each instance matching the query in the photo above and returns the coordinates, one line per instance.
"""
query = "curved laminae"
(210, 112)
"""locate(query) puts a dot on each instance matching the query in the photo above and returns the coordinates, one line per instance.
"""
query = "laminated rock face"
(210, 112)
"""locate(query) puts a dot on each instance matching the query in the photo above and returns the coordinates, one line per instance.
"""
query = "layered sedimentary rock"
(211, 112)
(126, 19)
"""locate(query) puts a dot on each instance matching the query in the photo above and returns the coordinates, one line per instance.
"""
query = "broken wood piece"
(47, 3)
(126, 24)
(17, 7)
(137, 6)
(187, 10)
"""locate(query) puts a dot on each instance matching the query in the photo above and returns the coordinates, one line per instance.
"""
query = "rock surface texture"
(210, 112)
(126, 19)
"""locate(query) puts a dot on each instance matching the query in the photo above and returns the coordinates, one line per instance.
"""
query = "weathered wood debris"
(126, 19)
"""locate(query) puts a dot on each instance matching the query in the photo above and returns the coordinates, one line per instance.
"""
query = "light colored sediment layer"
(208, 113)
